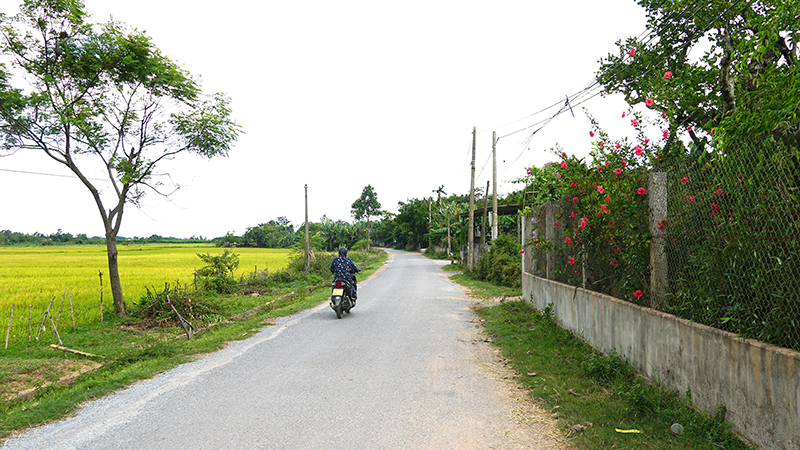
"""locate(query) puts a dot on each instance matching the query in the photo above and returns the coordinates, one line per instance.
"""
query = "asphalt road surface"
(407, 369)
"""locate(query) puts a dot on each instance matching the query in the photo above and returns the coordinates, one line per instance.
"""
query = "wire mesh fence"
(720, 247)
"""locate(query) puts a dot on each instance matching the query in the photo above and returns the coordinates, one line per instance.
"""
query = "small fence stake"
(71, 312)
(29, 322)
(101, 296)
(44, 318)
(60, 311)
(10, 316)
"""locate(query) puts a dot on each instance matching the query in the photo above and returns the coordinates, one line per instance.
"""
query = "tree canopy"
(102, 98)
(366, 207)
(727, 64)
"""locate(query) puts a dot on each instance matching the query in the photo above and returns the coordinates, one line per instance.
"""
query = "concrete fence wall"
(759, 384)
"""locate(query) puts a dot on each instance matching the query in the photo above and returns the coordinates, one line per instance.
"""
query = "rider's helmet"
(342, 251)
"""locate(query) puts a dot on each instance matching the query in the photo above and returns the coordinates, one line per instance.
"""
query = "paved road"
(400, 372)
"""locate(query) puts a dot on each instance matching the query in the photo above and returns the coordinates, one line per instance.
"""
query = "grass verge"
(592, 394)
(128, 353)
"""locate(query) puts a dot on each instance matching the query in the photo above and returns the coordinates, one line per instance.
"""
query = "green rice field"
(34, 275)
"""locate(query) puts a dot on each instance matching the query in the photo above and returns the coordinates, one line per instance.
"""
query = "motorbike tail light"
(338, 284)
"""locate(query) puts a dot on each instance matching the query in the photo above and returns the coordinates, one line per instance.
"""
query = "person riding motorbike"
(343, 269)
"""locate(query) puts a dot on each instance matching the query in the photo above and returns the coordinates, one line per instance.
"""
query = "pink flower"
(685, 180)
(638, 294)
(646, 141)
(641, 191)
(614, 263)
(575, 200)
(638, 150)
(599, 213)
(591, 133)
(557, 174)
(667, 75)
(666, 134)
(572, 214)
(632, 52)
(529, 171)
(584, 222)
(572, 184)
(719, 192)
(602, 144)
(568, 240)
(556, 223)
(624, 163)
(634, 123)
(600, 189)
(605, 209)
(618, 171)
(572, 260)
(664, 114)
(690, 199)
(623, 114)
(563, 164)
(649, 102)
(617, 146)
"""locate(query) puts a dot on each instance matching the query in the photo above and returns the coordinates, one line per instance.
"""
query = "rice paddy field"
(34, 275)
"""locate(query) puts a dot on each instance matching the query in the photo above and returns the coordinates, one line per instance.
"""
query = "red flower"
(523, 250)
(572, 184)
(624, 163)
(685, 180)
(690, 199)
(641, 191)
(602, 144)
(575, 200)
(662, 225)
(584, 222)
(689, 128)
(611, 222)
(609, 239)
(664, 115)
(632, 52)
(604, 208)
(563, 154)
(572, 214)
(715, 207)
(638, 294)
(556, 223)
(649, 102)
(646, 141)
(591, 133)
(600, 189)
(634, 123)
(666, 134)
(599, 213)
(563, 164)
(614, 263)
(572, 260)
(623, 114)
(618, 171)
(617, 146)
(719, 192)
(638, 150)
(568, 240)
(667, 75)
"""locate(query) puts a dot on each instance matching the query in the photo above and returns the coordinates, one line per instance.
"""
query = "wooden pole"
(60, 311)
(77, 352)
(659, 273)
(494, 186)
(55, 331)
(101, 295)
(308, 248)
(10, 317)
(44, 318)
(471, 230)
(71, 312)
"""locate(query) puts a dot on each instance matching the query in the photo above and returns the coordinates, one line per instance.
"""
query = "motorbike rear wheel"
(338, 309)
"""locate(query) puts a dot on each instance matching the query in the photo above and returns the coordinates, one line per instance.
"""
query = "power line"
(47, 174)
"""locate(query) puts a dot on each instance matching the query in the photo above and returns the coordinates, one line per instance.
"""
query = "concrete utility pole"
(483, 221)
(471, 231)
(308, 253)
(494, 186)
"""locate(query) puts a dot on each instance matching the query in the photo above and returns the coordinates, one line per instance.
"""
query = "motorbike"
(341, 300)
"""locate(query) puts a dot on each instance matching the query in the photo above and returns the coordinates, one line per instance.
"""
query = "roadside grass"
(594, 394)
(128, 352)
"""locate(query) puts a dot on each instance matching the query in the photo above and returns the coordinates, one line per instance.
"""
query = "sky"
(338, 95)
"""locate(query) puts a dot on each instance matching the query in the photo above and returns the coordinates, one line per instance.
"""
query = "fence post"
(29, 322)
(10, 317)
(553, 234)
(659, 281)
(71, 312)
(101, 295)
(44, 318)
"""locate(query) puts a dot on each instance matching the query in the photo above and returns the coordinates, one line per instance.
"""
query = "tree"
(749, 68)
(366, 207)
(100, 97)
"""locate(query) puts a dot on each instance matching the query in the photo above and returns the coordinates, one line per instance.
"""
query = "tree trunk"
(369, 228)
(113, 274)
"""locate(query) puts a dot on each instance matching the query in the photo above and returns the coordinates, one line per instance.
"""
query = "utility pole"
(483, 222)
(308, 262)
(471, 231)
(494, 186)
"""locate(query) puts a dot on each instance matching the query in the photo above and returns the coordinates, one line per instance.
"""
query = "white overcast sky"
(341, 94)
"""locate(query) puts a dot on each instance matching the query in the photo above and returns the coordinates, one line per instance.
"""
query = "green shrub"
(217, 274)
(501, 265)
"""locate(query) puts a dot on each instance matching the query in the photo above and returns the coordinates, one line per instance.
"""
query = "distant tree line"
(8, 237)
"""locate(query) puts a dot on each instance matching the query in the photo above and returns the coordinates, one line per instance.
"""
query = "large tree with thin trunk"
(366, 207)
(100, 98)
